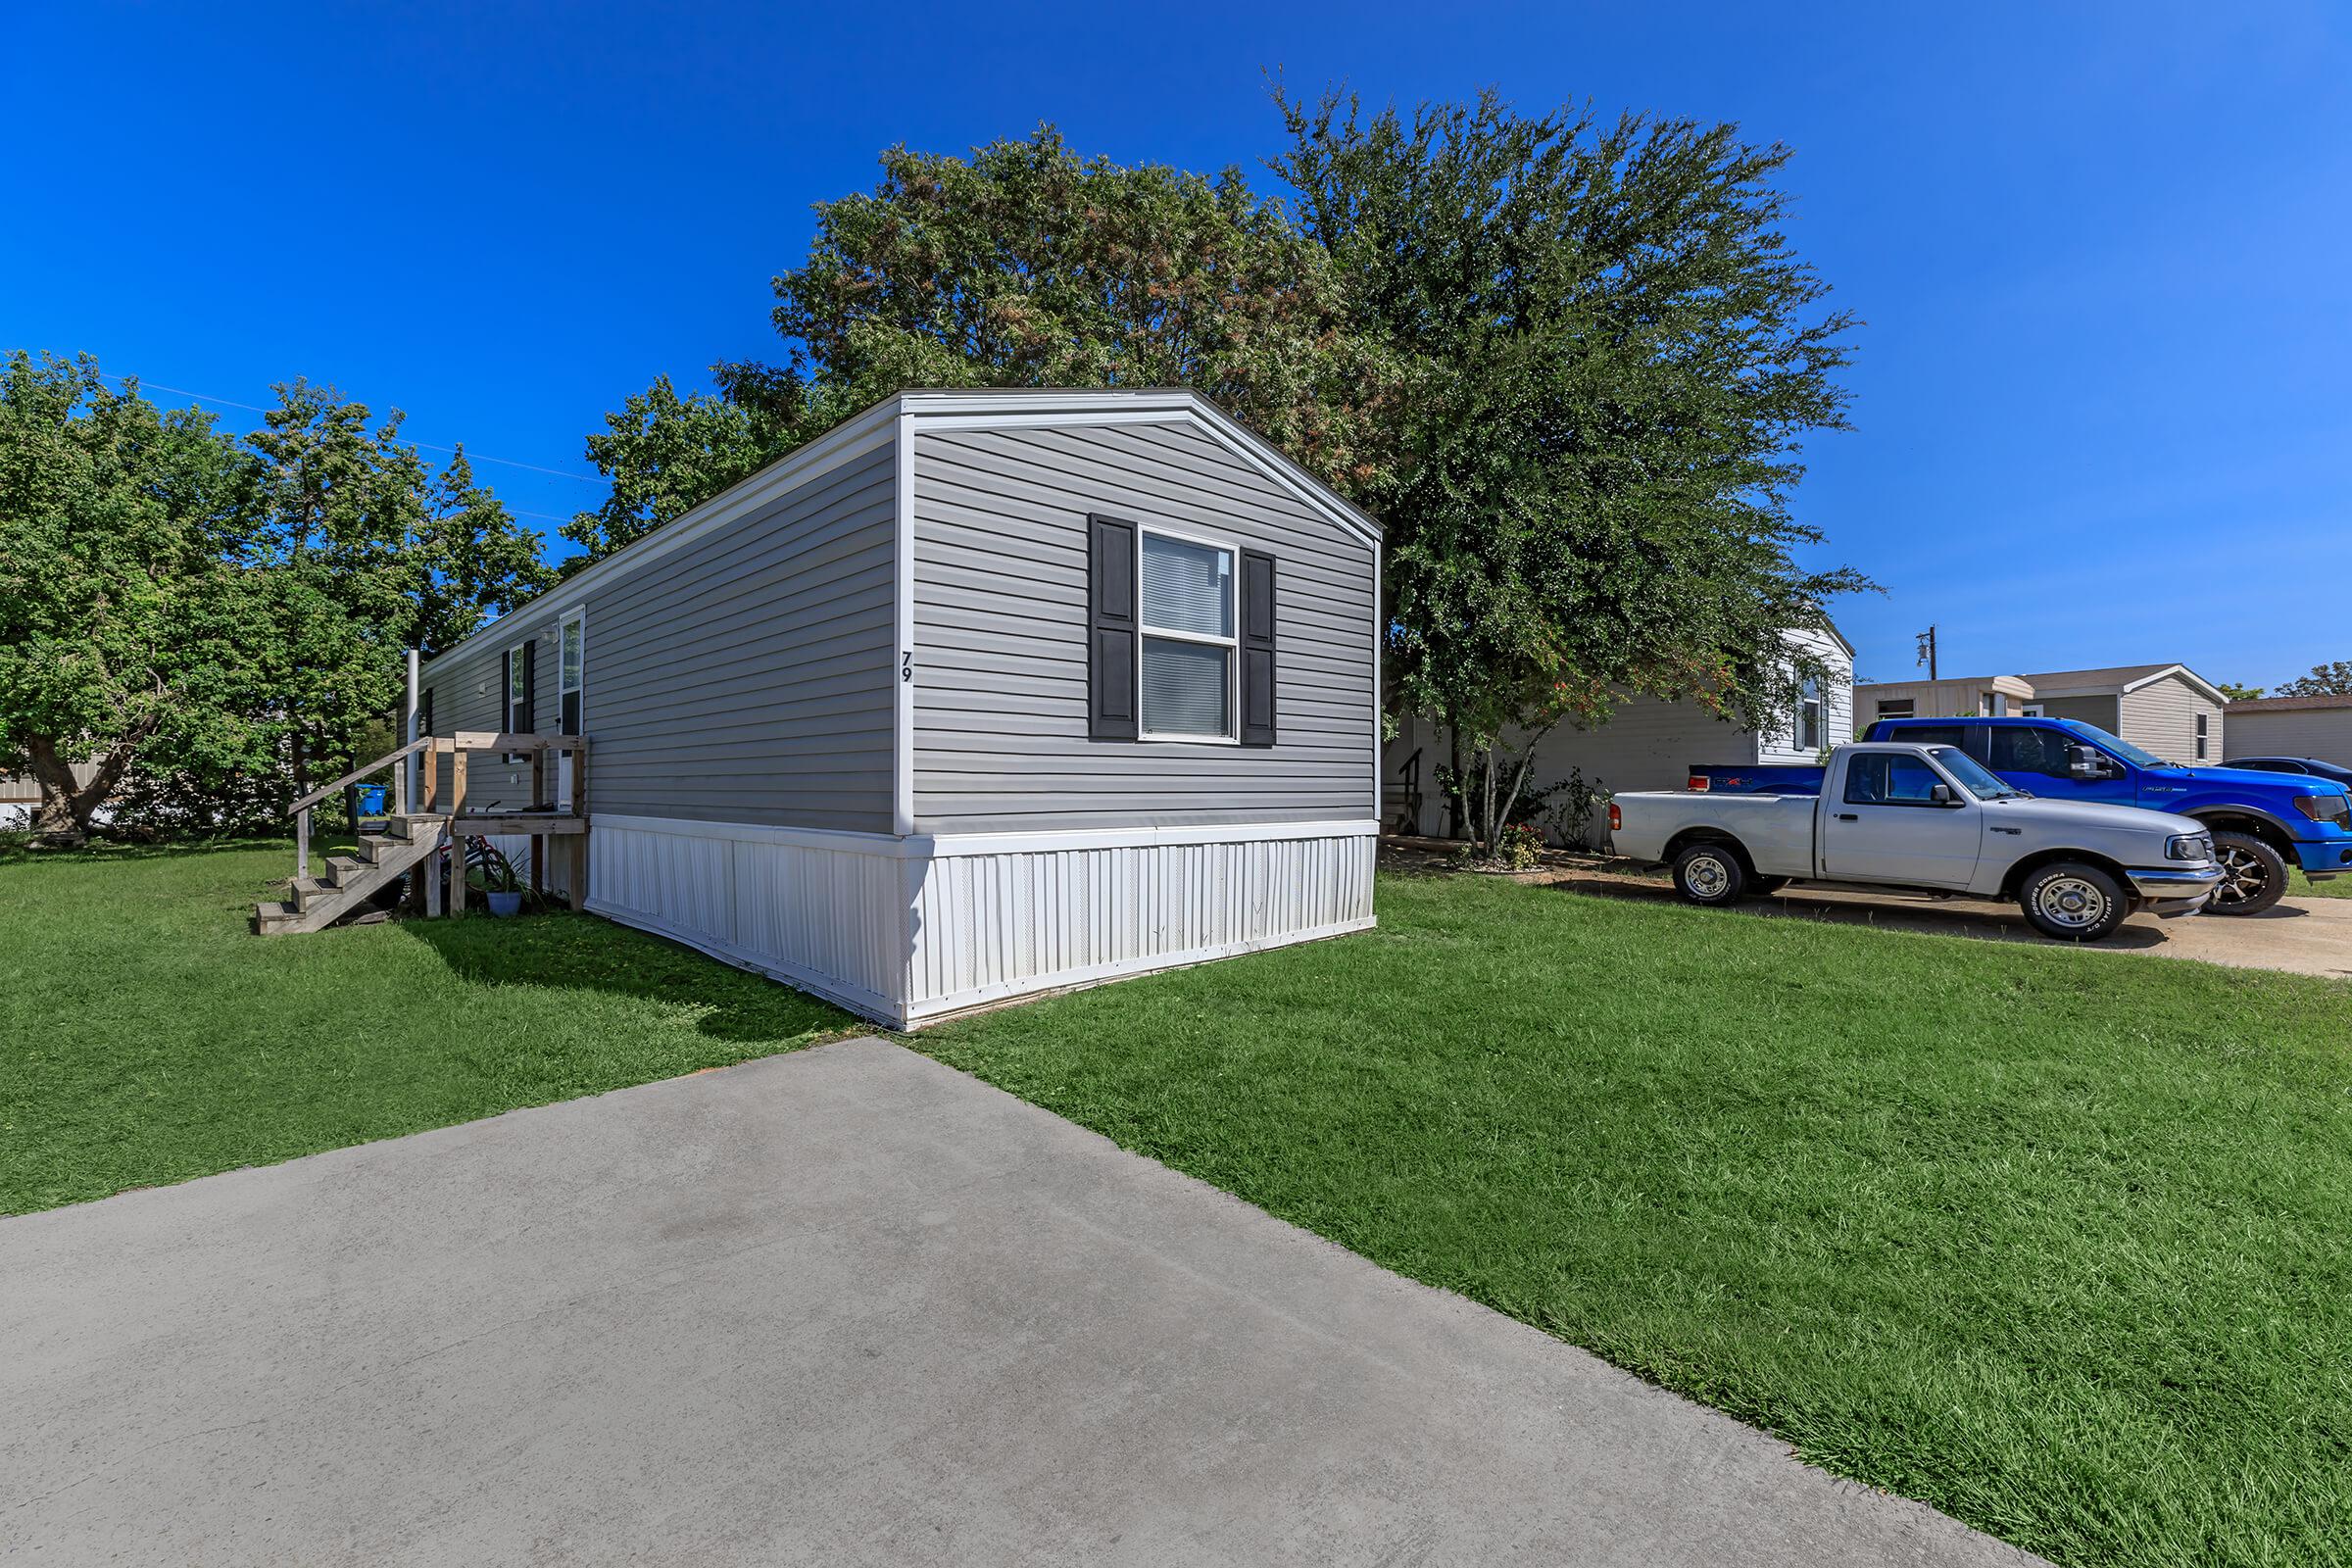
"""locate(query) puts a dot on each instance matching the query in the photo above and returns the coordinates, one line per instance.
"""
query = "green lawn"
(2054, 1240)
(2302, 887)
(151, 1037)
(2058, 1241)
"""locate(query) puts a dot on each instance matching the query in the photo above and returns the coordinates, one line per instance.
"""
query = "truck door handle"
(1849, 817)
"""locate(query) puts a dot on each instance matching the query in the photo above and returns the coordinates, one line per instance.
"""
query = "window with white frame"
(2204, 735)
(568, 651)
(519, 692)
(1186, 668)
(1808, 715)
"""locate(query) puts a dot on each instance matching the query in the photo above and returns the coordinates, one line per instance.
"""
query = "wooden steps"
(350, 881)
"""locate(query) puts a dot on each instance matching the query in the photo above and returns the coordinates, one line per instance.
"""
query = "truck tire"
(1711, 875)
(2253, 875)
(2073, 902)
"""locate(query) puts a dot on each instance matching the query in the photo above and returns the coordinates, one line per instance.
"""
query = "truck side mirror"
(2084, 763)
(1941, 795)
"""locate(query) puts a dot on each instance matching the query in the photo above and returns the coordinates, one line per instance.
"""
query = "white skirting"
(909, 930)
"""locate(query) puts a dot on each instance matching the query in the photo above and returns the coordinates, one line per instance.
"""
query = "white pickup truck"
(1925, 819)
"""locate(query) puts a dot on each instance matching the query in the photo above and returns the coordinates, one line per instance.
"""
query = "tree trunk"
(1453, 778)
(66, 807)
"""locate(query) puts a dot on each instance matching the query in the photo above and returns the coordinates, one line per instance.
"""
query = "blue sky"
(2100, 404)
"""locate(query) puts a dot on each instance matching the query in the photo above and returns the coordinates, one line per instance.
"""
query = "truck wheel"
(1710, 873)
(2073, 902)
(2253, 875)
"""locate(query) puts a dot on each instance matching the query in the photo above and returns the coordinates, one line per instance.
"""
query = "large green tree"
(665, 453)
(366, 553)
(1617, 355)
(191, 625)
(2325, 681)
(1023, 265)
(120, 526)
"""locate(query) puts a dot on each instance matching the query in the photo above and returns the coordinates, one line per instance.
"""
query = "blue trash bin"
(371, 799)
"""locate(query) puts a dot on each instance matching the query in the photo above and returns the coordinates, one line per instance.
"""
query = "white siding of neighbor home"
(2325, 733)
(1836, 703)
(999, 693)
(2162, 716)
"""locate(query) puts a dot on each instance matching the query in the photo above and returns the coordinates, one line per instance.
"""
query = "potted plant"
(488, 868)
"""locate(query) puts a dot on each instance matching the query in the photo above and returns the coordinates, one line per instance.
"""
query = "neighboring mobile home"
(1645, 744)
(2169, 710)
(2292, 726)
(978, 695)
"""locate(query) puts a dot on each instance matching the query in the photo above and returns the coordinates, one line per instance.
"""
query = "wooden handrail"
(571, 825)
(499, 740)
(464, 740)
(358, 773)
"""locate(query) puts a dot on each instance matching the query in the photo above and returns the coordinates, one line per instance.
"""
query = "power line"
(476, 456)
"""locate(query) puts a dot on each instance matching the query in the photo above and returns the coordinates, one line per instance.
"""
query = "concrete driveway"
(843, 1307)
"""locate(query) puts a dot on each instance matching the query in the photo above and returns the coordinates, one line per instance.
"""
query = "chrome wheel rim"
(2071, 903)
(1707, 877)
(2244, 876)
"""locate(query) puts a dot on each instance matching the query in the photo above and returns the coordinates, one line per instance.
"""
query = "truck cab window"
(2031, 748)
(1890, 778)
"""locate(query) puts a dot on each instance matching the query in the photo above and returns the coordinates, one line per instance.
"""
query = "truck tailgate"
(1776, 830)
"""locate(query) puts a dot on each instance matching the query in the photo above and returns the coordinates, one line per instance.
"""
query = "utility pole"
(1927, 651)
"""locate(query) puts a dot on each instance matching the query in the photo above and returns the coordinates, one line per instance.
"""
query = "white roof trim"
(2185, 673)
(860, 434)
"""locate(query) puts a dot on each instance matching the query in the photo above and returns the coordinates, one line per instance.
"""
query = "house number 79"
(906, 666)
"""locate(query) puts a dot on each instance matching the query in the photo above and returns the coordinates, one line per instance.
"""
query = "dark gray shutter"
(1257, 648)
(1110, 644)
(424, 714)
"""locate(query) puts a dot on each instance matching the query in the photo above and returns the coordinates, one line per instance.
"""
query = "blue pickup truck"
(2262, 822)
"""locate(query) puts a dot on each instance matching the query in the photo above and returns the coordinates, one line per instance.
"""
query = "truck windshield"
(1978, 780)
(2116, 743)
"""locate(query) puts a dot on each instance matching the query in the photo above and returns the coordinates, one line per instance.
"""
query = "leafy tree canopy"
(1023, 265)
(204, 617)
(1618, 354)
(118, 527)
(1570, 361)
(2325, 681)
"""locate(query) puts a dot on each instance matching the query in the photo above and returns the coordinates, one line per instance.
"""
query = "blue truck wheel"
(2253, 875)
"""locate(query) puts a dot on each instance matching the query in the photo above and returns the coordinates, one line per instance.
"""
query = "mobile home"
(981, 694)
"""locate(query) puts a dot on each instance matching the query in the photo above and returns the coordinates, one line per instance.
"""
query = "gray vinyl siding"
(2162, 716)
(1001, 636)
(743, 676)
(2322, 732)
(467, 695)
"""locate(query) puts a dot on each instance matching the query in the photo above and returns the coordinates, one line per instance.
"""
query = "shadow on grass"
(567, 951)
(1959, 917)
(18, 849)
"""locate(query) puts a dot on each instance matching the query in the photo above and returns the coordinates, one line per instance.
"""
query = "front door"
(1889, 826)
